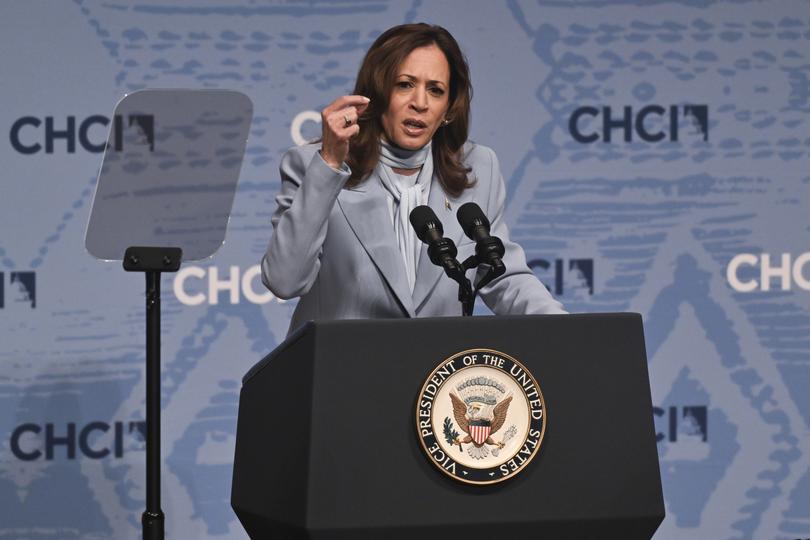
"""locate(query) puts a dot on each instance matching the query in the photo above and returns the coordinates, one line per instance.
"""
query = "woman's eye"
(404, 84)
(436, 91)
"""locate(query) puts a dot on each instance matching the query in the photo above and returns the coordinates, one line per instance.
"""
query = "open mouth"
(414, 124)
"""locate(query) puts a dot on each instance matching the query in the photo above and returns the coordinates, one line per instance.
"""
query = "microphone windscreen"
(421, 217)
(470, 216)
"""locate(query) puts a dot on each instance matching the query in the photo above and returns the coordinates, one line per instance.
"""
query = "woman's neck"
(405, 172)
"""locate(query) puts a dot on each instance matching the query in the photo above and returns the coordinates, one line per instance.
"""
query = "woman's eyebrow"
(414, 78)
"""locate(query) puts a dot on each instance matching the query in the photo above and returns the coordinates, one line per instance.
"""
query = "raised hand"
(339, 121)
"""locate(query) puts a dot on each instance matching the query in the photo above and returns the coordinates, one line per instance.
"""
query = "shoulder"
(481, 159)
(484, 168)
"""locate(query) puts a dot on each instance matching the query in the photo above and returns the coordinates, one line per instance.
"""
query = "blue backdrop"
(656, 159)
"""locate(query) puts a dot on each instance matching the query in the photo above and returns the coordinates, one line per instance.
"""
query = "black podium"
(327, 446)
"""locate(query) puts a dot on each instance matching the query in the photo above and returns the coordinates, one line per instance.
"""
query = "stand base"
(152, 523)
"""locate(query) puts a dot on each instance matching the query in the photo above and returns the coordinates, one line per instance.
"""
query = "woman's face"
(419, 99)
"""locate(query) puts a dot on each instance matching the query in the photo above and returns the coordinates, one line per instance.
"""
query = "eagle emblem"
(480, 416)
(480, 406)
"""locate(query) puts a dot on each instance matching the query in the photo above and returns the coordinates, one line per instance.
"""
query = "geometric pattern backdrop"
(656, 159)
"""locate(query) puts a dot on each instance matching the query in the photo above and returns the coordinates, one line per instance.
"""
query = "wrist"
(332, 162)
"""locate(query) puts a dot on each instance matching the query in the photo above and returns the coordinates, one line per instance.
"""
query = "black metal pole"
(152, 519)
(152, 261)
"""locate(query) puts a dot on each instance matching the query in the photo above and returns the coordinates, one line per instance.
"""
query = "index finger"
(346, 101)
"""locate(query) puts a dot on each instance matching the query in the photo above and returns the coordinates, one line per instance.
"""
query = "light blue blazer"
(335, 247)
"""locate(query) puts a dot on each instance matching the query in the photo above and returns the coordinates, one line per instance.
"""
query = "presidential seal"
(480, 416)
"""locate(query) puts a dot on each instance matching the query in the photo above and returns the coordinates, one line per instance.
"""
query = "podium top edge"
(311, 326)
(292, 338)
(477, 318)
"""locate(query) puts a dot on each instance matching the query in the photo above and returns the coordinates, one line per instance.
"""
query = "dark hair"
(376, 80)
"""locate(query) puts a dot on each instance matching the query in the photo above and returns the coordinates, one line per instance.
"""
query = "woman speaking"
(342, 239)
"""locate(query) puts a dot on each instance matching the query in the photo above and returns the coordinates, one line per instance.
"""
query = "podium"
(327, 443)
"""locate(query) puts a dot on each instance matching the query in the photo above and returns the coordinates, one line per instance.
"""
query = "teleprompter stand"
(152, 261)
(156, 206)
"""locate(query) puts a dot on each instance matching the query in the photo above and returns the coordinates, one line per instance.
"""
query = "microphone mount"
(489, 250)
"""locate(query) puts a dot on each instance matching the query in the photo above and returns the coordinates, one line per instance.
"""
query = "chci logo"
(481, 416)
(23, 289)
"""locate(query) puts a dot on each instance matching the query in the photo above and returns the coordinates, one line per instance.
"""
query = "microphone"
(488, 249)
(442, 251)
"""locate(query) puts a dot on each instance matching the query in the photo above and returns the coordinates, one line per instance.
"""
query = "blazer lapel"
(427, 273)
(366, 210)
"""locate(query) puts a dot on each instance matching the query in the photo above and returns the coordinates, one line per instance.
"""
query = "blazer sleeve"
(309, 189)
(518, 291)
